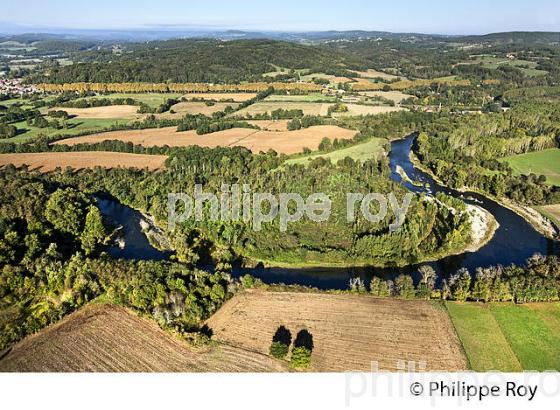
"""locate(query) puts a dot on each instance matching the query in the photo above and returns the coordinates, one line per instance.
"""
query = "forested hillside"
(200, 61)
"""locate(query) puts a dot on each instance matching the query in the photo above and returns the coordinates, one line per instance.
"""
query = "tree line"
(537, 281)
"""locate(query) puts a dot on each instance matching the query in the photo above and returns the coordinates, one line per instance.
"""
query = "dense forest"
(200, 61)
(464, 151)
(52, 262)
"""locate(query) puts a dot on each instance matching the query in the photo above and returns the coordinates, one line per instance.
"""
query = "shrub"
(279, 350)
(247, 281)
(301, 358)
(301, 353)
(281, 343)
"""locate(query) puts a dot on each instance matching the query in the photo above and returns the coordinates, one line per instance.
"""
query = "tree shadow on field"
(282, 335)
(207, 331)
(304, 339)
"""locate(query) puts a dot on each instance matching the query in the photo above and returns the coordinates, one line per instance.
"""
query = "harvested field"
(237, 97)
(355, 109)
(395, 96)
(200, 108)
(349, 331)
(291, 142)
(286, 142)
(267, 107)
(48, 161)
(270, 125)
(105, 338)
(111, 111)
(153, 137)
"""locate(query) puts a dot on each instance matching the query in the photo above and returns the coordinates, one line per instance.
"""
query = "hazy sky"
(435, 16)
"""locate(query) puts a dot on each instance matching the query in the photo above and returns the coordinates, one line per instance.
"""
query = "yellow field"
(286, 142)
(270, 125)
(48, 161)
(105, 338)
(349, 331)
(176, 87)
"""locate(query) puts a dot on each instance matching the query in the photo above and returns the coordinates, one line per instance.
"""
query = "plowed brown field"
(270, 125)
(48, 161)
(286, 142)
(111, 111)
(349, 331)
(105, 338)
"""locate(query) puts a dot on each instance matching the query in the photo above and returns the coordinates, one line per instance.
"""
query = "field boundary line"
(457, 334)
(485, 306)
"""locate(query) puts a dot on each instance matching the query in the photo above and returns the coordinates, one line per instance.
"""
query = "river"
(514, 241)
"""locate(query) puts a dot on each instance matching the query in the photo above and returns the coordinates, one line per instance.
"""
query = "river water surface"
(514, 241)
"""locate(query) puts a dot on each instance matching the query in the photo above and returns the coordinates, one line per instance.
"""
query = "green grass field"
(508, 337)
(368, 150)
(534, 339)
(545, 162)
(528, 67)
(283, 70)
(485, 345)
(76, 126)
(154, 100)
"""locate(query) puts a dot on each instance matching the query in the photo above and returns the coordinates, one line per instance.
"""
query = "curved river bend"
(514, 241)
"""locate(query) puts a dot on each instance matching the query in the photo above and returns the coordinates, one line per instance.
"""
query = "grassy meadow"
(508, 337)
(311, 97)
(153, 100)
(373, 149)
(545, 162)
(492, 62)
(76, 126)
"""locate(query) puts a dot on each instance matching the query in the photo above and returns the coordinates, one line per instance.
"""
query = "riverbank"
(534, 217)
(156, 235)
(484, 226)
(538, 221)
